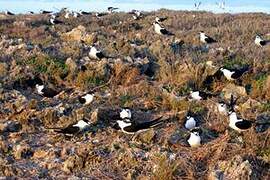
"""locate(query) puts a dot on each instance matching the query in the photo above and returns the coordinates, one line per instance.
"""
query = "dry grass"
(162, 153)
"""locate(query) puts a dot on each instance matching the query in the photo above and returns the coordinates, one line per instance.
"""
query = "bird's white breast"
(81, 124)
(190, 123)
(258, 40)
(157, 28)
(227, 74)
(88, 98)
(196, 95)
(39, 89)
(233, 119)
(123, 124)
(194, 140)
(93, 52)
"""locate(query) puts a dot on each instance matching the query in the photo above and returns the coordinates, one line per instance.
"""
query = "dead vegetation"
(153, 79)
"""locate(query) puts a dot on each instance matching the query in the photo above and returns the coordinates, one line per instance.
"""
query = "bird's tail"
(58, 130)
(152, 123)
(244, 69)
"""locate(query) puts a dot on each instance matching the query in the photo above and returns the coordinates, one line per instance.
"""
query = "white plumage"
(125, 114)
(238, 124)
(190, 123)
(81, 124)
(39, 89)
(88, 98)
(222, 108)
(194, 139)
(195, 95)
(259, 41)
(227, 73)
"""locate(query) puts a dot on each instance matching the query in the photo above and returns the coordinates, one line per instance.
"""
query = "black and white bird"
(160, 19)
(45, 91)
(194, 139)
(45, 12)
(197, 5)
(136, 14)
(259, 41)
(200, 95)
(81, 12)
(75, 14)
(130, 126)
(190, 122)
(99, 15)
(86, 98)
(125, 113)
(237, 123)
(9, 13)
(221, 5)
(31, 12)
(110, 10)
(73, 129)
(233, 74)
(206, 39)
(161, 30)
(54, 21)
(95, 53)
(222, 108)
(67, 14)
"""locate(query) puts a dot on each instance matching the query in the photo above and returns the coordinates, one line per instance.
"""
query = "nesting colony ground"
(152, 78)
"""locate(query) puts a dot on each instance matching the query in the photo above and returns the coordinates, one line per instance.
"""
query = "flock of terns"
(125, 122)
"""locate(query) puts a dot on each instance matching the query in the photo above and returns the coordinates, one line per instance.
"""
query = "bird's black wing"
(141, 126)
(81, 100)
(165, 32)
(243, 124)
(205, 95)
(263, 43)
(10, 13)
(46, 12)
(240, 72)
(68, 130)
(210, 40)
(100, 55)
(56, 21)
(85, 13)
(162, 19)
(47, 92)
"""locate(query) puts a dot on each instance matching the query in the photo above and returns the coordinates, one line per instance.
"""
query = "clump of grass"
(265, 106)
(260, 80)
(125, 99)
(164, 169)
(43, 64)
(258, 86)
(236, 62)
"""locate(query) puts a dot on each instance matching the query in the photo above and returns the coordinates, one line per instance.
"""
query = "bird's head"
(39, 87)
(221, 69)
(257, 36)
(196, 131)
(202, 33)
